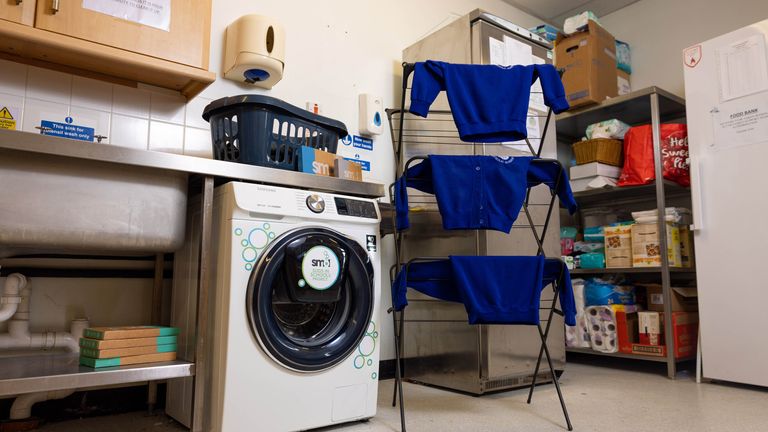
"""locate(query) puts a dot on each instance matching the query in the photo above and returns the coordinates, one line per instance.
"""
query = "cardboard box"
(686, 246)
(129, 332)
(126, 343)
(650, 328)
(618, 246)
(646, 251)
(683, 299)
(685, 328)
(589, 60)
(348, 170)
(626, 329)
(122, 361)
(126, 352)
(623, 82)
(317, 162)
(594, 169)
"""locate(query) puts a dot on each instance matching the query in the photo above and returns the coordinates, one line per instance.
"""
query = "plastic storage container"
(265, 131)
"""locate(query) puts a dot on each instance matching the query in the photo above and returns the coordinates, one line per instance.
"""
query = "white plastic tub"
(62, 205)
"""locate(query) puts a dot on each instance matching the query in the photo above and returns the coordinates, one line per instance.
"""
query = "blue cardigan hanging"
(479, 192)
(489, 103)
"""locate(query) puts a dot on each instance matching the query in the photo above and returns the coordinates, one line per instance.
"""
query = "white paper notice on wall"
(498, 52)
(518, 53)
(152, 13)
(743, 68)
(741, 122)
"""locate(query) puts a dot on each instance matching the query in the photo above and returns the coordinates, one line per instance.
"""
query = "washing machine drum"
(310, 298)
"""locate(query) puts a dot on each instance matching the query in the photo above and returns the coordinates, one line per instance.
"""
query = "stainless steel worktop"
(34, 143)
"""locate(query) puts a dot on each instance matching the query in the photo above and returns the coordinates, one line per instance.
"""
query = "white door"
(726, 89)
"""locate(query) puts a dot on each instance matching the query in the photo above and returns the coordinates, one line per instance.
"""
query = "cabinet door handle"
(54, 6)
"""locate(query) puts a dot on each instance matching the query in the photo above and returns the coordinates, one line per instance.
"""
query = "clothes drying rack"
(439, 137)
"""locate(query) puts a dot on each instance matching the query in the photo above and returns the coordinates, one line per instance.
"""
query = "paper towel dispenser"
(254, 51)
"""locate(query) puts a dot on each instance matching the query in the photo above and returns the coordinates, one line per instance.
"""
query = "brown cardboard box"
(589, 61)
(685, 327)
(683, 299)
(623, 82)
(348, 170)
(618, 246)
(646, 250)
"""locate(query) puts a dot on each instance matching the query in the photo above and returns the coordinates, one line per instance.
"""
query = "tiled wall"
(143, 118)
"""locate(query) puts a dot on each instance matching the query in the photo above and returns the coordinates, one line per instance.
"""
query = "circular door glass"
(310, 298)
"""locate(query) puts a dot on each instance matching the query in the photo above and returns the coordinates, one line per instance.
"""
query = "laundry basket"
(265, 131)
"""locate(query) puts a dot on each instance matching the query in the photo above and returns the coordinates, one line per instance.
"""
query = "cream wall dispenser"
(254, 51)
(371, 115)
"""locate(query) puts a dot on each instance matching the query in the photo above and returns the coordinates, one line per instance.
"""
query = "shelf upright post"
(662, 230)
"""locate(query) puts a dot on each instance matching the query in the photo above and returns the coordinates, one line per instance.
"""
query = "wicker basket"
(603, 150)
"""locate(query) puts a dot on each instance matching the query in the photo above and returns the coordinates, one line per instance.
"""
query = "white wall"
(335, 50)
(659, 30)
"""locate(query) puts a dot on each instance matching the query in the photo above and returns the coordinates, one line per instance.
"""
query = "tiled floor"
(599, 399)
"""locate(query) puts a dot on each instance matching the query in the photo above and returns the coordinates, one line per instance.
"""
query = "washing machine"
(294, 314)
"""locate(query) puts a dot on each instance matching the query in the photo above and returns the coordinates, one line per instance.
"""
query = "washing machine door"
(310, 298)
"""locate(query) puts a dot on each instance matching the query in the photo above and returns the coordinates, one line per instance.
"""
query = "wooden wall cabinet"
(18, 11)
(63, 35)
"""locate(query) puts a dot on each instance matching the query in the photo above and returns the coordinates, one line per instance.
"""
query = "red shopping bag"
(638, 155)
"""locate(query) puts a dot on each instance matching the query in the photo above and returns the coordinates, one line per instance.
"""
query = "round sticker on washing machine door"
(320, 268)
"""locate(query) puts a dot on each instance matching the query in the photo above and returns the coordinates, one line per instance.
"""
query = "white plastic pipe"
(22, 406)
(19, 337)
(11, 296)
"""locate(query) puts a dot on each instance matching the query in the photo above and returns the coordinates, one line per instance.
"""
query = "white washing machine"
(295, 312)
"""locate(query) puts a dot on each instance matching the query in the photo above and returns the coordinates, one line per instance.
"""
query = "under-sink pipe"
(22, 406)
(11, 295)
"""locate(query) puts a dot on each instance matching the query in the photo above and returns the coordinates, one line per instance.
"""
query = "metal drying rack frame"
(399, 149)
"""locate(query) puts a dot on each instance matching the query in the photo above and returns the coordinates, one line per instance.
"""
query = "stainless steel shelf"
(633, 109)
(629, 193)
(27, 374)
(631, 270)
(61, 147)
(624, 355)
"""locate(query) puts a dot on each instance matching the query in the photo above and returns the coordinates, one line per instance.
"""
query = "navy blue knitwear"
(493, 289)
(489, 103)
(480, 192)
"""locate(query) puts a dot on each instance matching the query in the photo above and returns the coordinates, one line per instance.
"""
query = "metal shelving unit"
(650, 105)
(62, 371)
(625, 355)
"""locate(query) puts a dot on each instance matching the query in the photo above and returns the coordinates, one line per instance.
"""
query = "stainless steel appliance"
(439, 347)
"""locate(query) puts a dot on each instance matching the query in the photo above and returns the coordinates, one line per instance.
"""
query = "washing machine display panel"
(310, 298)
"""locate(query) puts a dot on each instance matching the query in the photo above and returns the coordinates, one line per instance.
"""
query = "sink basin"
(51, 204)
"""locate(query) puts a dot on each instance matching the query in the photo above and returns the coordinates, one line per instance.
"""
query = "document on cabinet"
(743, 68)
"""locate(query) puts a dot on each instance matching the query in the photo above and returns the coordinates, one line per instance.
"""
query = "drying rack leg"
(554, 378)
(541, 350)
(398, 373)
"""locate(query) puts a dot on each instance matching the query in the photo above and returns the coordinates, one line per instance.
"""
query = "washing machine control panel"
(351, 207)
(316, 203)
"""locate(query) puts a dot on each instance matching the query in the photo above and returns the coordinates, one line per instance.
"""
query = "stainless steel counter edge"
(36, 143)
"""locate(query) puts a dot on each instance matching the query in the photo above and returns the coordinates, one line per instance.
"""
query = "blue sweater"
(489, 103)
(480, 192)
(493, 289)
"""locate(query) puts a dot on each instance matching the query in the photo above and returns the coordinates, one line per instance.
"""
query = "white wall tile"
(37, 110)
(168, 108)
(48, 85)
(129, 132)
(15, 106)
(130, 101)
(197, 142)
(90, 93)
(13, 78)
(166, 137)
(98, 120)
(194, 117)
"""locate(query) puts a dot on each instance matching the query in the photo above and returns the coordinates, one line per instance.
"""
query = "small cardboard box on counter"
(623, 82)
(685, 327)
(589, 61)
(322, 163)
(646, 250)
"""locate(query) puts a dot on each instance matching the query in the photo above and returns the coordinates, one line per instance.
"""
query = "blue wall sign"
(364, 164)
(362, 142)
(64, 130)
